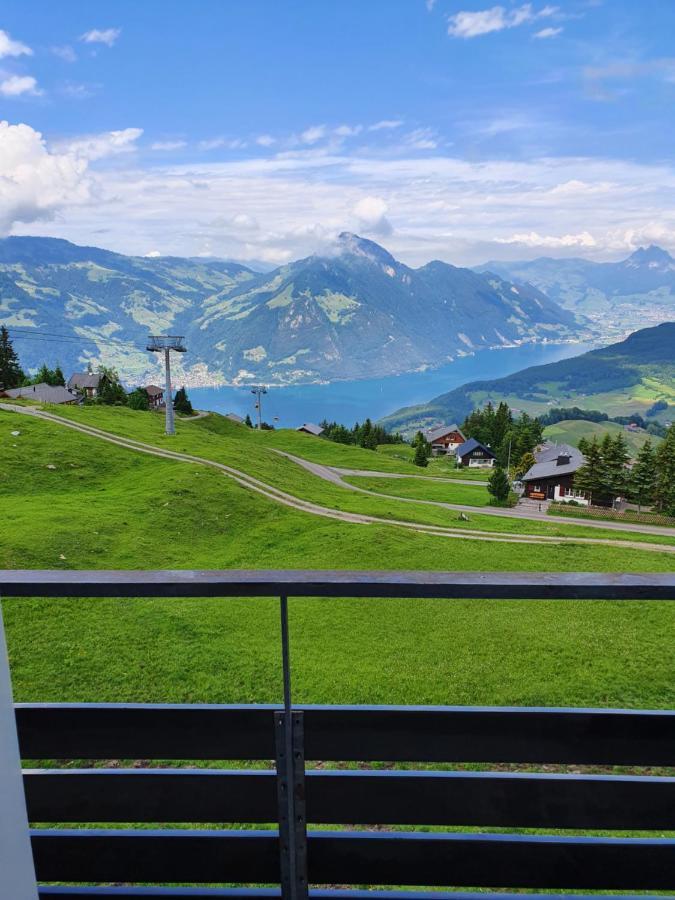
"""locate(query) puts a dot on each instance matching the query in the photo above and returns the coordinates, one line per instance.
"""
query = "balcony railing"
(290, 855)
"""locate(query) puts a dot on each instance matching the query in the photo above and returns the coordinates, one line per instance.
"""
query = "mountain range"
(623, 296)
(622, 379)
(351, 312)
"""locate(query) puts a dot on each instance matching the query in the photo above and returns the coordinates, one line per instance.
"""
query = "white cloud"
(168, 145)
(466, 24)
(548, 33)
(534, 239)
(218, 142)
(348, 130)
(16, 85)
(386, 125)
(422, 139)
(285, 206)
(153, 254)
(65, 52)
(371, 213)
(9, 47)
(265, 140)
(97, 146)
(106, 36)
(313, 134)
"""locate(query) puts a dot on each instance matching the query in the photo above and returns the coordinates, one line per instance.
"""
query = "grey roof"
(233, 417)
(547, 462)
(311, 428)
(433, 434)
(82, 380)
(153, 391)
(44, 393)
(472, 444)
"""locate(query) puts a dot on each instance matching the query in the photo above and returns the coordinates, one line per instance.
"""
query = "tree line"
(606, 476)
(365, 435)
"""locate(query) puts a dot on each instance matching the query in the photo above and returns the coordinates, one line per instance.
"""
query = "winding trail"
(280, 496)
(335, 476)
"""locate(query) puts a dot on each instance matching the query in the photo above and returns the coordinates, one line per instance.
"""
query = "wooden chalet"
(444, 439)
(310, 428)
(473, 454)
(155, 396)
(84, 383)
(552, 476)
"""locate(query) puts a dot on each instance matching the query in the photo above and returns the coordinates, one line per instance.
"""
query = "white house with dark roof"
(473, 454)
(85, 383)
(444, 439)
(552, 476)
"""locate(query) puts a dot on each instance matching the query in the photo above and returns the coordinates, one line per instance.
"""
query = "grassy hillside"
(72, 501)
(571, 431)
(621, 379)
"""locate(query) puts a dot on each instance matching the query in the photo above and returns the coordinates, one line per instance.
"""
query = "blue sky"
(456, 129)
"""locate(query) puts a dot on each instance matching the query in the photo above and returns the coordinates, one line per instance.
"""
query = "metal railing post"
(16, 856)
(289, 731)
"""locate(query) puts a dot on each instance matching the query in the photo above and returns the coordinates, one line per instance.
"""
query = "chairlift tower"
(158, 343)
(259, 391)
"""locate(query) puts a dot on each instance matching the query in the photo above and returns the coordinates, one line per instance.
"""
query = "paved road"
(334, 475)
(286, 499)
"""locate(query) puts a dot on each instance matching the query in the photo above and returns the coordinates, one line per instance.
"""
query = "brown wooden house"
(552, 476)
(155, 396)
(444, 439)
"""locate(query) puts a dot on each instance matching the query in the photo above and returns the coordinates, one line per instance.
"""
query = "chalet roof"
(470, 445)
(43, 393)
(547, 462)
(153, 391)
(434, 434)
(233, 417)
(311, 428)
(81, 380)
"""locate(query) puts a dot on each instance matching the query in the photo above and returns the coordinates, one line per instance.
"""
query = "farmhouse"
(552, 476)
(310, 428)
(474, 454)
(444, 439)
(84, 383)
(155, 396)
(42, 393)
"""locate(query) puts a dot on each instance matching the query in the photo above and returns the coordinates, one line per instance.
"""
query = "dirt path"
(279, 496)
(335, 476)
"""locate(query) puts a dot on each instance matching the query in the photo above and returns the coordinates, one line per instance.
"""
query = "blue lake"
(351, 401)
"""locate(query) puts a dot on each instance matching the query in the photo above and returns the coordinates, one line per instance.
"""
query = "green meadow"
(70, 501)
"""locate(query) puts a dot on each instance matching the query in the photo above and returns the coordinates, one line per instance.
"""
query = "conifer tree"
(181, 402)
(11, 374)
(58, 376)
(615, 460)
(664, 490)
(248, 422)
(421, 458)
(590, 477)
(643, 476)
(498, 485)
(525, 463)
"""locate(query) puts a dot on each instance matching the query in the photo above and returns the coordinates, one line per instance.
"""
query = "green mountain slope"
(621, 379)
(635, 292)
(354, 312)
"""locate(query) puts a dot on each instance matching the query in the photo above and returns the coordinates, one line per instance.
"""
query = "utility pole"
(165, 343)
(259, 391)
(508, 464)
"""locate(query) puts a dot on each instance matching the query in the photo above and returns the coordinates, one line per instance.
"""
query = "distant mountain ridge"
(621, 379)
(636, 291)
(352, 312)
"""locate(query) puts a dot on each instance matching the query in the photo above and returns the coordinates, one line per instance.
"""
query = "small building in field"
(233, 417)
(444, 439)
(85, 383)
(474, 455)
(155, 396)
(42, 393)
(310, 428)
(552, 476)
